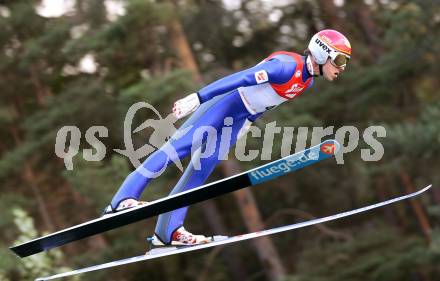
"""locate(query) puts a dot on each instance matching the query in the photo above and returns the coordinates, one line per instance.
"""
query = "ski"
(251, 177)
(162, 252)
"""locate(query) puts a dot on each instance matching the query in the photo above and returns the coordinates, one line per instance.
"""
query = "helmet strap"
(320, 70)
(310, 66)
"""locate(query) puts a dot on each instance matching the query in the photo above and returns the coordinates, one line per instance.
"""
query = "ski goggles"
(339, 60)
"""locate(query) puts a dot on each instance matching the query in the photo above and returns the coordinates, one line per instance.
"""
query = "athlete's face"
(330, 71)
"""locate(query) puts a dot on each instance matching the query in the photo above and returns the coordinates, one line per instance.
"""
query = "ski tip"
(421, 190)
(426, 188)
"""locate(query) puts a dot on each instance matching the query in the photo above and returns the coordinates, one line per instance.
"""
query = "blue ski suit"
(225, 103)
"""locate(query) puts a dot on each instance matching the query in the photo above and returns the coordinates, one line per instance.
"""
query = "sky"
(56, 8)
(115, 8)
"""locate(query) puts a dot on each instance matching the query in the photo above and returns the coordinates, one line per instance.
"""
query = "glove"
(186, 106)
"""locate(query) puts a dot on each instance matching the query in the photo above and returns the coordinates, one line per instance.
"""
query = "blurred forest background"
(87, 66)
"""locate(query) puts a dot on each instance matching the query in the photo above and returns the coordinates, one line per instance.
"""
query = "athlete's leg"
(135, 183)
(169, 222)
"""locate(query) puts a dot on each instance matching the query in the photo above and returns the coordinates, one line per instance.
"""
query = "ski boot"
(180, 238)
(123, 205)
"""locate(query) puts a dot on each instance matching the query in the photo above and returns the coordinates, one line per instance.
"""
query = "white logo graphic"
(261, 76)
(164, 129)
(294, 90)
(285, 166)
(68, 140)
(298, 73)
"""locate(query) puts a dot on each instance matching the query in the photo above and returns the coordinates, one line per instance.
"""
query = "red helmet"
(332, 44)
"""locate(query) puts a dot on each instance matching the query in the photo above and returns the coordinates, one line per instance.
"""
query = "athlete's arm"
(272, 71)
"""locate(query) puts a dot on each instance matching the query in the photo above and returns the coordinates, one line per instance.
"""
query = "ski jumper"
(225, 103)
